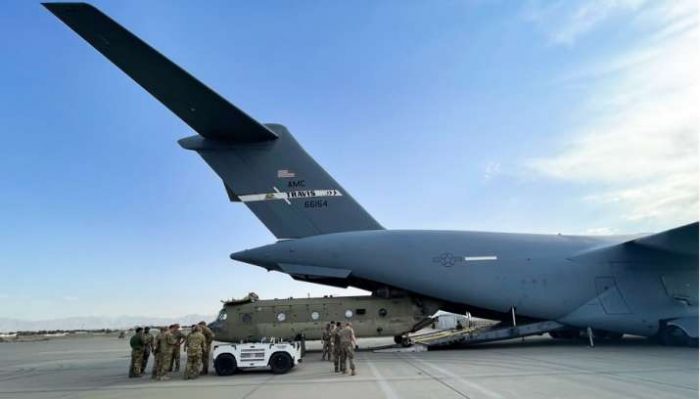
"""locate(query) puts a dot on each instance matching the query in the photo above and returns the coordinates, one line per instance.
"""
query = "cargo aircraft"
(642, 285)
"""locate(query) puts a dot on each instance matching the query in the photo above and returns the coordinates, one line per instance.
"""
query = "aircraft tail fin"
(203, 109)
(261, 164)
(283, 186)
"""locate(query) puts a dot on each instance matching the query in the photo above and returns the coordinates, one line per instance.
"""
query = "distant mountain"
(96, 323)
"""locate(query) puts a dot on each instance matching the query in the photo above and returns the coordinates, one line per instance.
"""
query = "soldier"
(147, 348)
(194, 345)
(166, 345)
(326, 340)
(335, 339)
(157, 351)
(175, 355)
(208, 338)
(330, 342)
(348, 343)
(137, 345)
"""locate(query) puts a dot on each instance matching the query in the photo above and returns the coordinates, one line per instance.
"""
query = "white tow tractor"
(279, 356)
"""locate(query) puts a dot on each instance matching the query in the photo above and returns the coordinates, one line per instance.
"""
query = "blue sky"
(572, 117)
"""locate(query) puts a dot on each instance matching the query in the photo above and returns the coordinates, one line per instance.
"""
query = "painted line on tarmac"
(388, 391)
(437, 379)
(465, 383)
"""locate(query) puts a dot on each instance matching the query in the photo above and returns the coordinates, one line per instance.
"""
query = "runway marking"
(388, 391)
(438, 380)
(484, 391)
(252, 391)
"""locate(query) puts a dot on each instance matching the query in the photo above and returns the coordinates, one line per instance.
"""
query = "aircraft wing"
(200, 107)
(681, 240)
(672, 249)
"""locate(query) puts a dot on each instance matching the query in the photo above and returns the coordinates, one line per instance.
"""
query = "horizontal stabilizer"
(200, 107)
(283, 186)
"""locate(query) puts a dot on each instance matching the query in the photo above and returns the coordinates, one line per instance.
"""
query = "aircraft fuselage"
(545, 277)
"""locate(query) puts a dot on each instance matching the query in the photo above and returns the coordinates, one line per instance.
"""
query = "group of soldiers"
(339, 346)
(166, 351)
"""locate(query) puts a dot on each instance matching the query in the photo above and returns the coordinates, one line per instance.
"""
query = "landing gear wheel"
(280, 363)
(398, 339)
(225, 364)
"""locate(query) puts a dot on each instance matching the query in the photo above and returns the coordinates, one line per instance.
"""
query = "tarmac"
(539, 367)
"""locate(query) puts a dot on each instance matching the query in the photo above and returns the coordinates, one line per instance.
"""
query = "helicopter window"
(281, 316)
(222, 315)
(382, 312)
(360, 312)
(246, 318)
(348, 314)
(315, 315)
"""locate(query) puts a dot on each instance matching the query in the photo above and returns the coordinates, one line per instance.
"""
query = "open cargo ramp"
(471, 336)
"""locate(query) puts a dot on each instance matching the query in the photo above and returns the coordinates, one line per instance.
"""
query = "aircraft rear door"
(610, 296)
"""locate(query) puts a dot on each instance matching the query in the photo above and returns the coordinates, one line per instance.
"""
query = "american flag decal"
(285, 174)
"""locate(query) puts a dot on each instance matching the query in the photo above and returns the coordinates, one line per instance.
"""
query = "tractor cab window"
(222, 315)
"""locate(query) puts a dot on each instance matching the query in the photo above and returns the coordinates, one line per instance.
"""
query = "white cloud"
(70, 298)
(639, 147)
(565, 21)
(600, 231)
(491, 170)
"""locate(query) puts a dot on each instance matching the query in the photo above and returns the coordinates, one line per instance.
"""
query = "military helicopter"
(252, 319)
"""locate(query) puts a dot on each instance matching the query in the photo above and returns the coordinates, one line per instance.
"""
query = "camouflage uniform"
(335, 339)
(157, 353)
(148, 347)
(166, 343)
(208, 338)
(175, 354)
(347, 342)
(326, 338)
(195, 344)
(137, 345)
